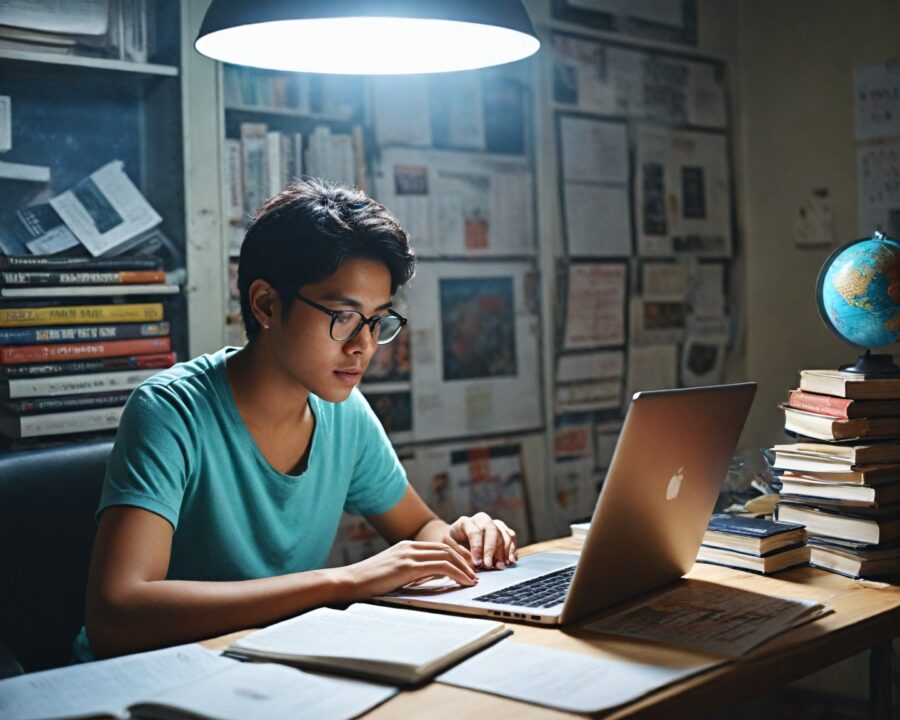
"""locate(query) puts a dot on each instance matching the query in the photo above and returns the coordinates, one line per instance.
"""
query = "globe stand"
(869, 364)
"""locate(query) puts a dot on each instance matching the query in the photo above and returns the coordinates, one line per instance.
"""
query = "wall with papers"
(637, 139)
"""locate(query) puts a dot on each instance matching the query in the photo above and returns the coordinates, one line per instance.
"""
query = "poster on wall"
(597, 220)
(682, 194)
(474, 349)
(876, 100)
(595, 305)
(456, 480)
(878, 183)
(459, 204)
(589, 381)
(608, 79)
(673, 21)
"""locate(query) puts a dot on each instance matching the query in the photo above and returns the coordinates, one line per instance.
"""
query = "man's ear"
(264, 303)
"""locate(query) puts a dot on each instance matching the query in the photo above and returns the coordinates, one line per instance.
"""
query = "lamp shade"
(367, 37)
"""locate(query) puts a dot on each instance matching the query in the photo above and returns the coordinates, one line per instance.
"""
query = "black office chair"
(48, 497)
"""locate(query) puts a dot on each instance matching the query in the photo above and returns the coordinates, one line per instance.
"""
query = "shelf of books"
(841, 478)
(92, 225)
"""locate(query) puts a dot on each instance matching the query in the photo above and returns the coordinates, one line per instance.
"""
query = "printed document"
(711, 618)
(565, 680)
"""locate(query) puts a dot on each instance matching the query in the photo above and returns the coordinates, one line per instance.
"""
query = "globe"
(858, 292)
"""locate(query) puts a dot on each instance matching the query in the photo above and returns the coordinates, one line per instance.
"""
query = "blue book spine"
(81, 333)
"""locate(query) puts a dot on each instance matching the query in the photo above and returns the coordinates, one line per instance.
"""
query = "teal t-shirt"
(183, 452)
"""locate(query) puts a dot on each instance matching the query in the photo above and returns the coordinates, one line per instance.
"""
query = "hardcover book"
(76, 333)
(844, 408)
(765, 565)
(811, 489)
(752, 535)
(79, 367)
(850, 385)
(824, 427)
(70, 351)
(863, 454)
(80, 314)
(844, 526)
(46, 387)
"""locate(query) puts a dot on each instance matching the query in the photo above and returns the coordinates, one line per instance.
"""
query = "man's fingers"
(509, 541)
(461, 549)
(474, 536)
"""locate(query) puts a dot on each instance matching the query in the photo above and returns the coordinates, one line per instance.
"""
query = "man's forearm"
(167, 612)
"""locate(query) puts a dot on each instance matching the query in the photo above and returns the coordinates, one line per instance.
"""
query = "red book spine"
(823, 404)
(79, 351)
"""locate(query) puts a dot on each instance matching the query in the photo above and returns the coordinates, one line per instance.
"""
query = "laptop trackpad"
(492, 580)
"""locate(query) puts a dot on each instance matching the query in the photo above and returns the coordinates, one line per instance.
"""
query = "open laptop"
(665, 475)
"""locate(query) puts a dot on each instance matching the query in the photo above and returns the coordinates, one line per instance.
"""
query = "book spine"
(108, 290)
(234, 183)
(39, 405)
(115, 348)
(69, 422)
(81, 314)
(76, 333)
(27, 263)
(822, 404)
(123, 277)
(76, 367)
(74, 384)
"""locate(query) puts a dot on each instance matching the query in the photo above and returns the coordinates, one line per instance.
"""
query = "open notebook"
(404, 646)
(181, 683)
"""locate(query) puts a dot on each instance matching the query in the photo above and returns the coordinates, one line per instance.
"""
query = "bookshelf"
(74, 112)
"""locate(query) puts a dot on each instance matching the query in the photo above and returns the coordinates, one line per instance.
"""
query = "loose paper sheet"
(595, 306)
(555, 678)
(711, 618)
(105, 209)
(267, 691)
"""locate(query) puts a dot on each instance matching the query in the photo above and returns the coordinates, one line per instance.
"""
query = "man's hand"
(491, 542)
(409, 561)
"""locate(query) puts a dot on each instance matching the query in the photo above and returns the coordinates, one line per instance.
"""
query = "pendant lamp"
(367, 37)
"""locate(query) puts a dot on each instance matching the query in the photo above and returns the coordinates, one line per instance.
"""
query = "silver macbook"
(668, 467)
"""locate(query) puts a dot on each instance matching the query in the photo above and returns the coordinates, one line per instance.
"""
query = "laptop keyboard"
(544, 591)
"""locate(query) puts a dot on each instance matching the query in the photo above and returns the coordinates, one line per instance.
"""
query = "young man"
(230, 472)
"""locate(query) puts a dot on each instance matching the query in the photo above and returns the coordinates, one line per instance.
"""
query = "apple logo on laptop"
(675, 484)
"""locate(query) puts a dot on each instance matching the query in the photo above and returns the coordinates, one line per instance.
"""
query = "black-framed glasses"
(346, 324)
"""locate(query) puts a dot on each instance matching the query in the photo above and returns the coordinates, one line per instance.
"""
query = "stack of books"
(755, 544)
(844, 482)
(69, 355)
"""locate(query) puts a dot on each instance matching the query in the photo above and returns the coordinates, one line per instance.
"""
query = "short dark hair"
(305, 233)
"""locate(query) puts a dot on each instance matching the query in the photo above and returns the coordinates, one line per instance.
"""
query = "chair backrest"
(48, 498)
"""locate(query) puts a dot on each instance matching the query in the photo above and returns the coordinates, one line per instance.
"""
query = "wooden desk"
(866, 616)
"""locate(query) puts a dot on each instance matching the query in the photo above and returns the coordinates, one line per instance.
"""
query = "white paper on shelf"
(598, 220)
(53, 241)
(876, 100)
(77, 17)
(594, 150)
(105, 687)
(5, 123)
(595, 306)
(461, 107)
(569, 681)
(112, 201)
(24, 172)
